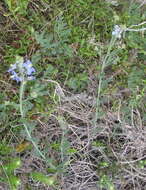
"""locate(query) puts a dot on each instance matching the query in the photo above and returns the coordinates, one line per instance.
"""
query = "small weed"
(17, 7)
(8, 175)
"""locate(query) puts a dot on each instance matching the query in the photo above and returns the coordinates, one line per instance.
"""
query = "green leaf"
(105, 182)
(5, 149)
(48, 180)
(50, 71)
(135, 78)
(14, 164)
(14, 182)
(27, 106)
(71, 151)
(30, 126)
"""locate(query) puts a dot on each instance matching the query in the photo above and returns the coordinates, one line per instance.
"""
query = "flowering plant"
(22, 70)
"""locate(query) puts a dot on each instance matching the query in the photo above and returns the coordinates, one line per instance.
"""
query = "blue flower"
(29, 68)
(25, 73)
(15, 76)
(12, 68)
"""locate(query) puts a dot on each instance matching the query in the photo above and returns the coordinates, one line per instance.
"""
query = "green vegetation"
(72, 94)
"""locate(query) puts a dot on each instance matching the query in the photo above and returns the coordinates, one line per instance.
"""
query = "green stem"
(104, 63)
(23, 116)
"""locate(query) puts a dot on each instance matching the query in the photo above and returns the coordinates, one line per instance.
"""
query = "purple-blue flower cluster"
(25, 73)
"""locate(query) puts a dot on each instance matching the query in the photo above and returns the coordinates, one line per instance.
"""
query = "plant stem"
(104, 63)
(23, 116)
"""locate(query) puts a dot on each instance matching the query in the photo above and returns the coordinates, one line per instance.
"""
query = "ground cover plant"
(72, 95)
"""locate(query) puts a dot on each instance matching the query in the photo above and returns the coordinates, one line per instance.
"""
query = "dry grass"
(123, 146)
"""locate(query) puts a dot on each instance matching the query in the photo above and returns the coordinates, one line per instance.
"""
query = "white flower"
(117, 31)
